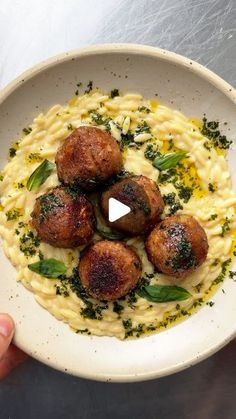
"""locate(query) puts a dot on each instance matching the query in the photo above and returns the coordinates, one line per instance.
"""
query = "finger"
(12, 358)
(6, 333)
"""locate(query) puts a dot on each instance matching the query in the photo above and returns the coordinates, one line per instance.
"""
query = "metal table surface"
(204, 30)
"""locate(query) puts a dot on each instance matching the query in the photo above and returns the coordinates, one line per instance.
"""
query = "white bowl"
(179, 83)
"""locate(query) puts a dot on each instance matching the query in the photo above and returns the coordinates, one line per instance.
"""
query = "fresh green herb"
(151, 152)
(167, 161)
(117, 308)
(142, 128)
(70, 127)
(13, 214)
(27, 131)
(50, 268)
(20, 185)
(39, 176)
(211, 130)
(89, 87)
(110, 234)
(225, 228)
(234, 252)
(172, 202)
(163, 293)
(144, 109)
(114, 93)
(1, 177)
(213, 217)
(211, 187)
(28, 243)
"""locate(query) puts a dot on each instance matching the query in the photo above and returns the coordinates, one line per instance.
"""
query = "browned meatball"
(63, 218)
(88, 157)
(142, 195)
(177, 246)
(109, 269)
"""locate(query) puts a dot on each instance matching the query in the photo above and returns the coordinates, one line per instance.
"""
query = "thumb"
(6, 333)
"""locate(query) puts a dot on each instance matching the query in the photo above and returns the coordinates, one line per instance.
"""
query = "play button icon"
(116, 209)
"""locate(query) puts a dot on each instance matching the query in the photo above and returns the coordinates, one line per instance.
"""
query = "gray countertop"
(204, 30)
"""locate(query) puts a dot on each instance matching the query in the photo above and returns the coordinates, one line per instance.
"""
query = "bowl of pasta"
(140, 295)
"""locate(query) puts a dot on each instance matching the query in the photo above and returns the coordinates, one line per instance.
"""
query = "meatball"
(142, 195)
(88, 157)
(109, 269)
(63, 218)
(177, 246)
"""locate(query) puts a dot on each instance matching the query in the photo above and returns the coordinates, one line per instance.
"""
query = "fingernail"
(6, 326)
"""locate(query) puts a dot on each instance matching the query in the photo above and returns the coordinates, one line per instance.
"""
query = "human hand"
(10, 355)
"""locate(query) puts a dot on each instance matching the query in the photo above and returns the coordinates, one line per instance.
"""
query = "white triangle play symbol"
(116, 209)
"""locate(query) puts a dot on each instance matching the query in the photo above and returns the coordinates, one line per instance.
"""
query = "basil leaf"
(163, 293)
(38, 177)
(50, 268)
(167, 161)
(110, 234)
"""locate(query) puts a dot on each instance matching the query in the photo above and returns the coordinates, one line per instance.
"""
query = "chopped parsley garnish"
(232, 274)
(117, 308)
(151, 152)
(1, 177)
(224, 267)
(185, 193)
(142, 128)
(211, 130)
(225, 228)
(127, 323)
(27, 130)
(70, 127)
(13, 214)
(114, 93)
(99, 120)
(173, 203)
(28, 243)
(127, 140)
(210, 303)
(12, 152)
(213, 217)
(211, 187)
(34, 157)
(144, 109)
(89, 87)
